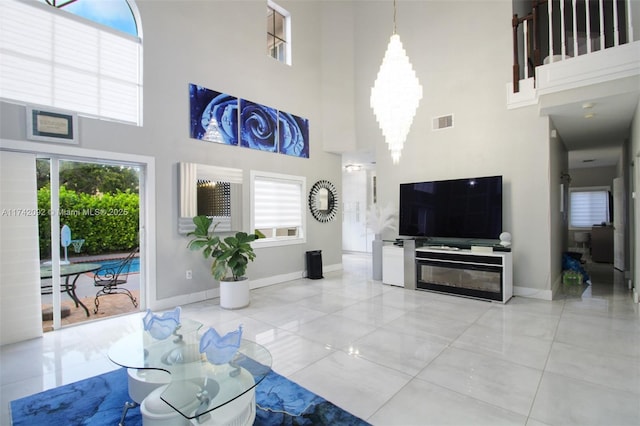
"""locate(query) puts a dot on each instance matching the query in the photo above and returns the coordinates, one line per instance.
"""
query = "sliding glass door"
(90, 219)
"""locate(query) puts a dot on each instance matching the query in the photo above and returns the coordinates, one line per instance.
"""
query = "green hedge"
(107, 223)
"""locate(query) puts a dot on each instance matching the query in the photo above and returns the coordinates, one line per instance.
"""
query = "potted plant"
(230, 256)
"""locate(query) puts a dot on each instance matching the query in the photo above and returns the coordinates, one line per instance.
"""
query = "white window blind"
(52, 58)
(277, 203)
(588, 207)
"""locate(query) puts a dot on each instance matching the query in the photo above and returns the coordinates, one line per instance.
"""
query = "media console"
(484, 274)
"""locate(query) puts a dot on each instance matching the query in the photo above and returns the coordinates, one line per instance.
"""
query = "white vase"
(235, 294)
(376, 258)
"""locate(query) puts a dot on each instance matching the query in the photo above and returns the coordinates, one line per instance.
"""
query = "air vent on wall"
(443, 122)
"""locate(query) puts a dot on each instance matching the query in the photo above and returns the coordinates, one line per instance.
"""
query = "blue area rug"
(98, 401)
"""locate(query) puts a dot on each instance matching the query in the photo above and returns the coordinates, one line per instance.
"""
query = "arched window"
(75, 56)
(116, 14)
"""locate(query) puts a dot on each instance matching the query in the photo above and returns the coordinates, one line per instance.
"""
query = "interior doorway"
(95, 206)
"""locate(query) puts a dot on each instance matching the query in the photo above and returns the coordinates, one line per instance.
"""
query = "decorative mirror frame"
(189, 174)
(323, 215)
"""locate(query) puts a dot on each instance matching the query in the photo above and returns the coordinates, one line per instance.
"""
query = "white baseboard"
(184, 299)
(214, 293)
(533, 293)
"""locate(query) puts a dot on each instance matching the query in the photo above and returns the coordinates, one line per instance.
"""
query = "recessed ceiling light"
(353, 167)
(588, 105)
(589, 115)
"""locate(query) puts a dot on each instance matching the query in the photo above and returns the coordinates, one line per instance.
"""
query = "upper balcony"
(571, 44)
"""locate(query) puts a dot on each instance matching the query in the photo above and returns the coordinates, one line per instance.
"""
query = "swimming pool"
(112, 263)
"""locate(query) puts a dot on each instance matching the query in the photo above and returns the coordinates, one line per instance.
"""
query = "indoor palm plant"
(230, 255)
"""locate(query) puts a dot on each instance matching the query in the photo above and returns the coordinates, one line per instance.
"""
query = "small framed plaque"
(52, 126)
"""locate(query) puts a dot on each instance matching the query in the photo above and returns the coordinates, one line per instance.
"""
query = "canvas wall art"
(222, 118)
(214, 115)
(258, 126)
(293, 135)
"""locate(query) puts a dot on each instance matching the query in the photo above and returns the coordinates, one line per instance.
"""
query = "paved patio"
(110, 305)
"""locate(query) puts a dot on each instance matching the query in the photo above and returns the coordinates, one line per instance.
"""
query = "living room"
(336, 51)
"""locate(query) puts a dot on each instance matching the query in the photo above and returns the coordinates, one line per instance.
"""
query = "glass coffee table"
(174, 383)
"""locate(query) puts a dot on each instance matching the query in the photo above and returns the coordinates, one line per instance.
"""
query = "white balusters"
(616, 30)
(525, 28)
(562, 32)
(588, 18)
(630, 24)
(575, 28)
(601, 9)
(550, 15)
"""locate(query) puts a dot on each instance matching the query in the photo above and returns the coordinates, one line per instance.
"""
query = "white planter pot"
(234, 294)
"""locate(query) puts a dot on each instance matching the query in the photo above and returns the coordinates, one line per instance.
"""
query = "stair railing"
(607, 16)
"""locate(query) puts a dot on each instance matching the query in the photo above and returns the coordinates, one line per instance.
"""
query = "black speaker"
(314, 264)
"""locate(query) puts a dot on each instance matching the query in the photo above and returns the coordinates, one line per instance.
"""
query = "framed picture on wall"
(50, 125)
(213, 115)
(293, 134)
(258, 126)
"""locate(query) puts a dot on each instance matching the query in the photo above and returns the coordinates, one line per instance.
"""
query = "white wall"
(338, 66)
(559, 204)
(354, 200)
(220, 45)
(593, 176)
(461, 52)
(633, 202)
(20, 309)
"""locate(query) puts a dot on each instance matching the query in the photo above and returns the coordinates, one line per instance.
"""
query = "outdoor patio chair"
(111, 279)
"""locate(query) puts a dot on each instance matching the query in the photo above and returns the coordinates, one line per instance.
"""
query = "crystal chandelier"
(396, 94)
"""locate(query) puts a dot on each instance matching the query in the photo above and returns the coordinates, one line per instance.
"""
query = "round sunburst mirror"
(323, 201)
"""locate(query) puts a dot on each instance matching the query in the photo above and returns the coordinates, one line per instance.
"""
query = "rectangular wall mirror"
(212, 191)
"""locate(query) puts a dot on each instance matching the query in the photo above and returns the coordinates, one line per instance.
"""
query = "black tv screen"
(459, 208)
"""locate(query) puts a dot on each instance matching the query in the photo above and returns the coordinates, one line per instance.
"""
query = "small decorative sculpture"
(162, 326)
(65, 240)
(220, 349)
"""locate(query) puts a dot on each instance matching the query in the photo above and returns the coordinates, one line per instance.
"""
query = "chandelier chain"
(394, 16)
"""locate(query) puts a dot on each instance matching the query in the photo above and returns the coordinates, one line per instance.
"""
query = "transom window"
(588, 207)
(278, 208)
(50, 57)
(278, 33)
(116, 14)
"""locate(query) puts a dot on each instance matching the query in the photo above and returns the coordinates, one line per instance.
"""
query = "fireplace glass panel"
(476, 278)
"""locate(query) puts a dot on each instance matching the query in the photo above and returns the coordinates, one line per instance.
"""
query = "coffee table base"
(239, 412)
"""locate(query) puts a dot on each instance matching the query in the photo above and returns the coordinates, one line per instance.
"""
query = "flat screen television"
(468, 208)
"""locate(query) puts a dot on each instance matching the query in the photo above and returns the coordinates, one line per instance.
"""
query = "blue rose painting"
(214, 115)
(293, 135)
(259, 126)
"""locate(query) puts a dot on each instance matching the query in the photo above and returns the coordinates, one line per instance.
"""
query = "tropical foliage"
(90, 178)
(231, 254)
(107, 222)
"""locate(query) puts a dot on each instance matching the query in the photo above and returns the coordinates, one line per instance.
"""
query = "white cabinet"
(393, 265)
(481, 275)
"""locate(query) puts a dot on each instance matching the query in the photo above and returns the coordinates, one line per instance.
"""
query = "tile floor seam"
(471, 397)
(546, 361)
(592, 383)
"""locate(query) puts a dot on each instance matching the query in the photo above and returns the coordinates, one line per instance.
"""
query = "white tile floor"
(399, 357)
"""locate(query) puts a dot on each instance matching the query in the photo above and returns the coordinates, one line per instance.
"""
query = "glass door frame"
(147, 219)
(55, 224)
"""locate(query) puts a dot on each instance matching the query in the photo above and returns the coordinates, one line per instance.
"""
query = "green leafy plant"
(107, 222)
(233, 253)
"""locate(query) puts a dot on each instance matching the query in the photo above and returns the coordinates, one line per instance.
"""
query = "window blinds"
(53, 58)
(277, 203)
(589, 208)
